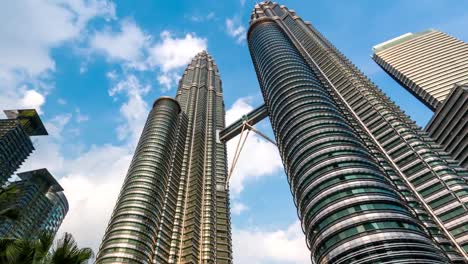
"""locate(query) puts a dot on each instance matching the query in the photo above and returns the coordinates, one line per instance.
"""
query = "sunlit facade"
(173, 206)
(369, 185)
(428, 64)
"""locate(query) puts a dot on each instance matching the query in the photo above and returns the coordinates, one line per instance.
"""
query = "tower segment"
(368, 184)
(173, 207)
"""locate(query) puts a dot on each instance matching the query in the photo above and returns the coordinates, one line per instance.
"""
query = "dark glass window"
(279, 12)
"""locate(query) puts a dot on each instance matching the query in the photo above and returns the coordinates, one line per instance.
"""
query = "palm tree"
(68, 252)
(36, 251)
(8, 250)
(20, 251)
(8, 211)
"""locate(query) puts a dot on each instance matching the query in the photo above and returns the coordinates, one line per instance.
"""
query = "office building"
(428, 64)
(449, 125)
(173, 206)
(15, 141)
(369, 185)
(41, 204)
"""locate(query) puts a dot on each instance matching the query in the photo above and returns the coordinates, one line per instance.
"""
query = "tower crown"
(207, 70)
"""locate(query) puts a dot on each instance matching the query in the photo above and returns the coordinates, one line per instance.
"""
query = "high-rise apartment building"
(432, 65)
(15, 141)
(369, 185)
(449, 125)
(173, 206)
(428, 64)
(41, 203)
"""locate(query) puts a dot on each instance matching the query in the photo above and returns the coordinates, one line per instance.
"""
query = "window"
(452, 213)
(279, 12)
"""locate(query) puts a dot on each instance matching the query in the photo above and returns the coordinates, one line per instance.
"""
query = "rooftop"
(44, 175)
(400, 39)
(29, 120)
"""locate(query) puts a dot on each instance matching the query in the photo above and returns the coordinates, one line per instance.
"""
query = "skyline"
(133, 86)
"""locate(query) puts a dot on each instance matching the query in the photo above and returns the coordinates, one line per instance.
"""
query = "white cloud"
(168, 80)
(210, 16)
(93, 178)
(32, 99)
(92, 183)
(79, 117)
(202, 18)
(83, 68)
(257, 246)
(61, 101)
(127, 45)
(56, 125)
(88, 9)
(172, 52)
(237, 208)
(139, 51)
(235, 29)
(27, 41)
(27, 37)
(112, 75)
(135, 110)
(259, 158)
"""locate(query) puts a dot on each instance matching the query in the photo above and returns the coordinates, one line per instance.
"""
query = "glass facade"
(368, 184)
(15, 142)
(173, 207)
(137, 217)
(41, 203)
(203, 234)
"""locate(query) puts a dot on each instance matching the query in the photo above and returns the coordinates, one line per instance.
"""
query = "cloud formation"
(259, 158)
(32, 99)
(26, 45)
(27, 41)
(237, 208)
(258, 246)
(139, 51)
(235, 29)
(202, 18)
(127, 44)
(172, 54)
(134, 110)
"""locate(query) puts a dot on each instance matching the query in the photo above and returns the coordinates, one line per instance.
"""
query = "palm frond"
(67, 251)
(9, 213)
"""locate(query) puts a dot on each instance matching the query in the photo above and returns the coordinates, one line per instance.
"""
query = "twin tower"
(369, 185)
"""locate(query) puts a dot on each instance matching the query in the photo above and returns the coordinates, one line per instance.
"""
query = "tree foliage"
(36, 251)
(7, 207)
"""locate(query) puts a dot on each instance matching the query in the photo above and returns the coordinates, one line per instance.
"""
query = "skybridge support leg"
(240, 145)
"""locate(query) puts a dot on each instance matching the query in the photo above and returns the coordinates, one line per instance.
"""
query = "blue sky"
(93, 68)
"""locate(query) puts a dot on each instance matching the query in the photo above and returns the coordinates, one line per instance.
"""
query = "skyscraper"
(428, 64)
(173, 206)
(431, 65)
(368, 184)
(15, 141)
(449, 125)
(41, 203)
